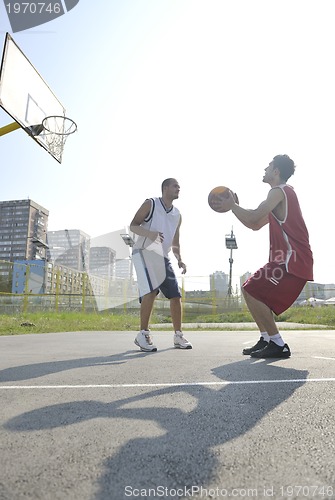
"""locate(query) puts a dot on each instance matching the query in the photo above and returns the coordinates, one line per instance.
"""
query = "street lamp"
(38, 245)
(37, 242)
(40, 248)
(231, 245)
(130, 242)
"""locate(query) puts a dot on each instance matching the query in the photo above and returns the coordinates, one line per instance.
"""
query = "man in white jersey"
(157, 223)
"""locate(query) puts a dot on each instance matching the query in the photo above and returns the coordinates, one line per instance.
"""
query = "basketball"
(218, 199)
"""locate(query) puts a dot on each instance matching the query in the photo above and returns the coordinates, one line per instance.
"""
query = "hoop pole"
(9, 128)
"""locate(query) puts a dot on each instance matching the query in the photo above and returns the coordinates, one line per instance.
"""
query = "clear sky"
(204, 91)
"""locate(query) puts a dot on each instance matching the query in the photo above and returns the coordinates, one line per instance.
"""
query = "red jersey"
(289, 239)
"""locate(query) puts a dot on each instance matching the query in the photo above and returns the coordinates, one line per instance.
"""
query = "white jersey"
(163, 220)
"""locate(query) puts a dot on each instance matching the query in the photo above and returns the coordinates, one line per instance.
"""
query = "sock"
(277, 339)
(265, 336)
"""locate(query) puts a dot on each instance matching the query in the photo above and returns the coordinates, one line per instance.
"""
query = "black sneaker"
(272, 350)
(257, 347)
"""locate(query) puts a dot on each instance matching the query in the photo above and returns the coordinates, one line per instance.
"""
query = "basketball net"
(56, 130)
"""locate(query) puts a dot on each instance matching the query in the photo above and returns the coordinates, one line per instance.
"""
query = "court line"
(322, 357)
(167, 384)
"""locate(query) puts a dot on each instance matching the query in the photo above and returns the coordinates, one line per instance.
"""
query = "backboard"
(26, 97)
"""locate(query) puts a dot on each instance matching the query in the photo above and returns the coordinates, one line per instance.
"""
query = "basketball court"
(88, 416)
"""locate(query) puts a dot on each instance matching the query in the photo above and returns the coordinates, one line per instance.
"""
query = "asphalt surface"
(87, 416)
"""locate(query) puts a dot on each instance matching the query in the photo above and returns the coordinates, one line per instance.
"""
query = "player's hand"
(182, 266)
(233, 198)
(156, 236)
(236, 198)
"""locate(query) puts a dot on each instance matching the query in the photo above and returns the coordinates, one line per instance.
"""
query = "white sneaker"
(144, 341)
(180, 342)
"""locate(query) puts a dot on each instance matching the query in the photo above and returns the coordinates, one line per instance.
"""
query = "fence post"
(26, 289)
(213, 295)
(57, 290)
(125, 290)
(182, 296)
(83, 303)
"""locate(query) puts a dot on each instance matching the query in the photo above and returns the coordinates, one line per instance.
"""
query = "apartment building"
(69, 248)
(23, 228)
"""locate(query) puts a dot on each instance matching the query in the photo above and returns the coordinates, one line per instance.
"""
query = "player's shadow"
(37, 370)
(184, 455)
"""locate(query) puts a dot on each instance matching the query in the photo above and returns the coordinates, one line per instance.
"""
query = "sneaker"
(144, 341)
(257, 347)
(272, 350)
(180, 342)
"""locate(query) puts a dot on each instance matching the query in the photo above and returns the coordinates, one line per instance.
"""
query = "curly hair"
(285, 166)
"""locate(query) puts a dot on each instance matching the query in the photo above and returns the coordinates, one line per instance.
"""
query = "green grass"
(74, 321)
(66, 322)
(302, 315)
(314, 315)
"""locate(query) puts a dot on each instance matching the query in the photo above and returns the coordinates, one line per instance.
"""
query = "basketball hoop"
(56, 129)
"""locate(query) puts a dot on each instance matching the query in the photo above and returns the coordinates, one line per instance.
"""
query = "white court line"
(167, 384)
(321, 357)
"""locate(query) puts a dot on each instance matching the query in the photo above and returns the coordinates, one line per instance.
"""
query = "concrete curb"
(239, 326)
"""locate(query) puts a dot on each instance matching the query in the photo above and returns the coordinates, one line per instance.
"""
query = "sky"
(207, 92)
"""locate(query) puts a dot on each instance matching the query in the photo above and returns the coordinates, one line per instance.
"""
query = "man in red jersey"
(274, 287)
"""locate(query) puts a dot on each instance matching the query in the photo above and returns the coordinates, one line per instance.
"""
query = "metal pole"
(9, 128)
(230, 288)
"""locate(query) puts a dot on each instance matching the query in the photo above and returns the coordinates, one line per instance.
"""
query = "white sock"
(277, 339)
(265, 336)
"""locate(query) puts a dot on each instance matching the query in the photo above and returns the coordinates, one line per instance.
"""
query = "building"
(69, 248)
(124, 269)
(219, 283)
(102, 262)
(28, 276)
(23, 228)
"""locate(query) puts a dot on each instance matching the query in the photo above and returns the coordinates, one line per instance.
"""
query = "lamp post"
(38, 243)
(231, 245)
(42, 247)
(129, 241)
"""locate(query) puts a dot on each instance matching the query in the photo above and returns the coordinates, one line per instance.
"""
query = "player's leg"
(147, 304)
(143, 339)
(148, 268)
(262, 295)
(176, 313)
(261, 313)
(271, 290)
(170, 289)
(276, 347)
(264, 336)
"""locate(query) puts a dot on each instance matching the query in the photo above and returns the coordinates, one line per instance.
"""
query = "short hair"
(285, 166)
(167, 182)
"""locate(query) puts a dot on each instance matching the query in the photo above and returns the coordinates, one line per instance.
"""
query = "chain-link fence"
(42, 286)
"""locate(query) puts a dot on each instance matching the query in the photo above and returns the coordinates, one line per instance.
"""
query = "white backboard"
(24, 95)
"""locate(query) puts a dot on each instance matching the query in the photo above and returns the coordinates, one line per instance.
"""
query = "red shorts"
(274, 286)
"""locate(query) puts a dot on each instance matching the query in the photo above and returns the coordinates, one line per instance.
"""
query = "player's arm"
(176, 249)
(256, 219)
(140, 216)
